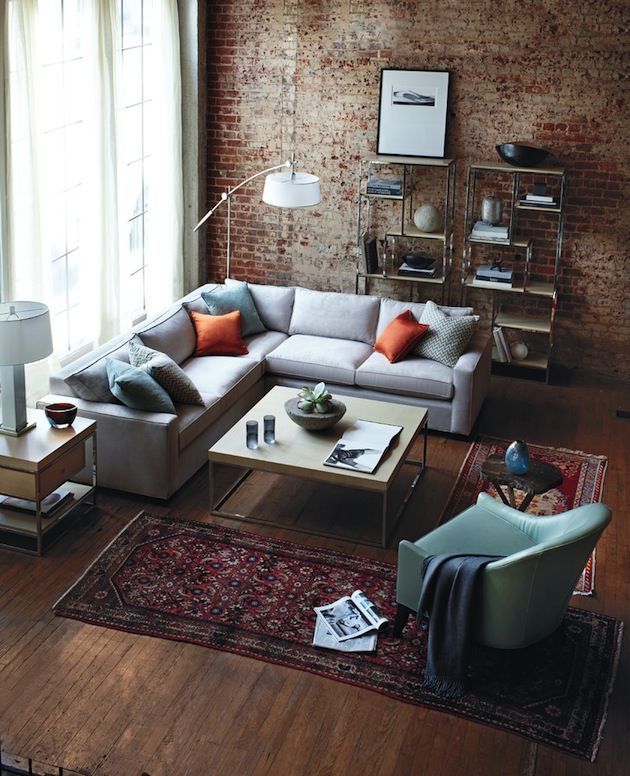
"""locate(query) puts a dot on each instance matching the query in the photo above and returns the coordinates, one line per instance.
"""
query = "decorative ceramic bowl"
(521, 155)
(61, 414)
(315, 421)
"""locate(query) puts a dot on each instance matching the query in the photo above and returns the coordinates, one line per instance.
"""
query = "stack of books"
(417, 272)
(501, 345)
(538, 200)
(494, 274)
(390, 187)
(482, 231)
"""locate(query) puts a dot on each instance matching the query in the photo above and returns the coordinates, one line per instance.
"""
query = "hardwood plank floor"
(101, 701)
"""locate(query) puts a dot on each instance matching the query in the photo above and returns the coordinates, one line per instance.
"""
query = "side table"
(539, 478)
(33, 466)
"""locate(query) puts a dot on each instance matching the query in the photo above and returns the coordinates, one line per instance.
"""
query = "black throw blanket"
(448, 597)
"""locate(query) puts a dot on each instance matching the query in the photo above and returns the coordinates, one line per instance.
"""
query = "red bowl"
(60, 414)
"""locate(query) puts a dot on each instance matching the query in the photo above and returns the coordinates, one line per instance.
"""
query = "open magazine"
(362, 446)
(347, 619)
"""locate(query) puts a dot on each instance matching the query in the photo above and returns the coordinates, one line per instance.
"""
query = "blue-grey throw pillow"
(136, 389)
(236, 297)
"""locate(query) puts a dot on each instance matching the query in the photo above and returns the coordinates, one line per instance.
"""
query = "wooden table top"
(301, 453)
(539, 478)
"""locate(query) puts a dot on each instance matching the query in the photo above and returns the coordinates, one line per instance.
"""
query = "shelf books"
(370, 254)
(503, 349)
(489, 274)
(49, 505)
(362, 446)
(489, 232)
(350, 624)
(418, 272)
(391, 187)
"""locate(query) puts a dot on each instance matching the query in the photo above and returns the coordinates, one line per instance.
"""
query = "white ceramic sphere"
(519, 351)
(428, 218)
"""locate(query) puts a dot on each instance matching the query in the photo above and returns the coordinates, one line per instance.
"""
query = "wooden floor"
(101, 701)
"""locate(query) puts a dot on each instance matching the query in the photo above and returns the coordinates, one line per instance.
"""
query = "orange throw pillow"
(400, 336)
(218, 335)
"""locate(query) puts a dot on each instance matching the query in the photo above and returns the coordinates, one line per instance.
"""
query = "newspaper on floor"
(323, 637)
(362, 446)
(350, 616)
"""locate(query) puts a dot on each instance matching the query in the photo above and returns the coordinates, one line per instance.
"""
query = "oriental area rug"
(582, 483)
(254, 595)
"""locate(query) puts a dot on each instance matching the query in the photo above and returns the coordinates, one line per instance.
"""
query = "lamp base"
(17, 432)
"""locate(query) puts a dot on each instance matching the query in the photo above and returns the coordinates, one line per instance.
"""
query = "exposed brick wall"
(296, 73)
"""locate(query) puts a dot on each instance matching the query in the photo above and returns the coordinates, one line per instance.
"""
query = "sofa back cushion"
(391, 308)
(235, 297)
(328, 314)
(87, 376)
(171, 333)
(273, 303)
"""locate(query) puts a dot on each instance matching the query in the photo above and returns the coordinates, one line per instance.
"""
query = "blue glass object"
(269, 425)
(251, 427)
(517, 457)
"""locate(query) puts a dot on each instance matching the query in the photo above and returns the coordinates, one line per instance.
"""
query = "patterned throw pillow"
(136, 389)
(448, 335)
(164, 371)
(237, 297)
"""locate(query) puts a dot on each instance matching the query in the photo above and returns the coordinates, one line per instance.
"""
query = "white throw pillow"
(448, 335)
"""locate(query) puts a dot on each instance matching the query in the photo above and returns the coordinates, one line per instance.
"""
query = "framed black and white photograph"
(412, 112)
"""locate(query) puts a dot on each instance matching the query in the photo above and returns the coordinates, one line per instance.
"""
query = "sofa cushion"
(87, 377)
(235, 297)
(260, 344)
(412, 376)
(218, 335)
(390, 308)
(194, 419)
(218, 375)
(136, 389)
(274, 304)
(400, 336)
(318, 358)
(171, 333)
(344, 316)
(448, 335)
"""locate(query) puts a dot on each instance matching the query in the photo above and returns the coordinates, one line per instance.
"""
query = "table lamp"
(25, 336)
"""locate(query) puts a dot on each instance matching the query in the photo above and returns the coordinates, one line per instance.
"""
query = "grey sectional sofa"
(311, 336)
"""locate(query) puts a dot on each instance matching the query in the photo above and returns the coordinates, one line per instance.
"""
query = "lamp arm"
(227, 194)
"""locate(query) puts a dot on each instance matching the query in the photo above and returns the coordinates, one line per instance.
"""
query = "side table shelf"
(36, 464)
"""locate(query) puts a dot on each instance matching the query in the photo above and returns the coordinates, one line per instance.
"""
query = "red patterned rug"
(254, 595)
(582, 483)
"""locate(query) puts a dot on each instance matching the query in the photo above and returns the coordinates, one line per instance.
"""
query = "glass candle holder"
(251, 431)
(269, 429)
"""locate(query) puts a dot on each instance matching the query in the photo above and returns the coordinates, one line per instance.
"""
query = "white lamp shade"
(284, 189)
(25, 334)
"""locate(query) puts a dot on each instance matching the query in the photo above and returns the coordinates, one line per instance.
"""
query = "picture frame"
(412, 114)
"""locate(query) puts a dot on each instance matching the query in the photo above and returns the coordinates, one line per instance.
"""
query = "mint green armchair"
(524, 595)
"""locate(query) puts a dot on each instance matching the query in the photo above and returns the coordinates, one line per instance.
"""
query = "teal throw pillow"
(136, 389)
(236, 297)
(165, 371)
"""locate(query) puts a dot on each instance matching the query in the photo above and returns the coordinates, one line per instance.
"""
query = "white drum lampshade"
(25, 336)
(291, 190)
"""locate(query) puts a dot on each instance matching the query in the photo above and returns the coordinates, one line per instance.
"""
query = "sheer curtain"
(93, 157)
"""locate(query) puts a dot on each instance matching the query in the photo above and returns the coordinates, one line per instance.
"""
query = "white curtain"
(99, 280)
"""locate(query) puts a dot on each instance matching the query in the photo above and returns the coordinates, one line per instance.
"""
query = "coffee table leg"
(211, 485)
(384, 521)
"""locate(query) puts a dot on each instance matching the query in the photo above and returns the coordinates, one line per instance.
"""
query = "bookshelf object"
(517, 260)
(390, 191)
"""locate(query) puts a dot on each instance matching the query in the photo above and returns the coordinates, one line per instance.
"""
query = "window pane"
(60, 332)
(52, 97)
(74, 268)
(132, 191)
(72, 21)
(77, 333)
(52, 40)
(59, 276)
(52, 160)
(132, 76)
(147, 15)
(74, 91)
(75, 155)
(135, 245)
(131, 149)
(73, 200)
(131, 23)
(135, 298)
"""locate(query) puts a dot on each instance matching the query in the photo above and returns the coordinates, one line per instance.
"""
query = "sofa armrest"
(124, 437)
(471, 381)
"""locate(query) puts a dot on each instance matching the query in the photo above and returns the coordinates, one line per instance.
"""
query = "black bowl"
(521, 155)
(60, 414)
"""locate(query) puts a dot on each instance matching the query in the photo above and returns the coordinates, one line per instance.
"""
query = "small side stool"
(539, 478)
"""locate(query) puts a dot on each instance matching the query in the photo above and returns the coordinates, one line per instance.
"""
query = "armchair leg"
(402, 615)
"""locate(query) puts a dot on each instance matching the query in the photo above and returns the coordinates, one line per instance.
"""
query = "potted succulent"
(315, 409)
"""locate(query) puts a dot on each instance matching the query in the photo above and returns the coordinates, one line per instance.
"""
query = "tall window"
(94, 162)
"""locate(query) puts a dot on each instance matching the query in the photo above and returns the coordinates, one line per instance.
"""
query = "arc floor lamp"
(282, 189)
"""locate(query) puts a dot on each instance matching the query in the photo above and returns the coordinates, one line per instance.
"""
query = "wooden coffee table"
(301, 453)
(539, 478)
